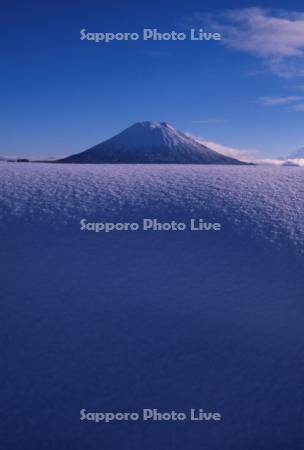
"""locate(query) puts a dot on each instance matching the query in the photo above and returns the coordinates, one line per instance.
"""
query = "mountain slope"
(150, 143)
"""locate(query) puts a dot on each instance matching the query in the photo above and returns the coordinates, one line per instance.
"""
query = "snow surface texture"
(266, 203)
(151, 143)
(137, 320)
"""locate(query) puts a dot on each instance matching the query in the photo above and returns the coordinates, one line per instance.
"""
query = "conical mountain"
(150, 143)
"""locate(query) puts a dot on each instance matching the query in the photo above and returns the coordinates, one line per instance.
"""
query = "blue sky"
(61, 95)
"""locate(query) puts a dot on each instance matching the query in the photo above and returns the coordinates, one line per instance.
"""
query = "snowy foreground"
(123, 321)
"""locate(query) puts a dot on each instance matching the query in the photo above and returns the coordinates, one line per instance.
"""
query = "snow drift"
(129, 320)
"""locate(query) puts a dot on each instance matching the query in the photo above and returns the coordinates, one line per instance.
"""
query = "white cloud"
(242, 154)
(268, 162)
(265, 32)
(299, 107)
(276, 36)
(299, 161)
(246, 155)
(276, 101)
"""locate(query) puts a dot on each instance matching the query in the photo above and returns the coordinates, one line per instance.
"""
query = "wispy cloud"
(298, 107)
(275, 36)
(246, 155)
(277, 101)
(292, 102)
(269, 162)
(242, 154)
(299, 87)
(295, 161)
(210, 121)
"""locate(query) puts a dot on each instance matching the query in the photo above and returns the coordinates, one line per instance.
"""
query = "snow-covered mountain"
(290, 163)
(150, 143)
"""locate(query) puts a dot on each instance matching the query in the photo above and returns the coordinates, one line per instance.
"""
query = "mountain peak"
(152, 125)
(150, 143)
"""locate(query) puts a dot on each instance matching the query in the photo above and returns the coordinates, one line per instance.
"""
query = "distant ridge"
(297, 154)
(150, 143)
